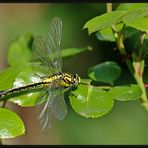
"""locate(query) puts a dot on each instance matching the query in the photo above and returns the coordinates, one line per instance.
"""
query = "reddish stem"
(145, 85)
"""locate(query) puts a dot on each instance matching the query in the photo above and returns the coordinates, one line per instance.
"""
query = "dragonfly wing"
(53, 43)
(44, 112)
(40, 53)
(46, 106)
(47, 50)
(58, 107)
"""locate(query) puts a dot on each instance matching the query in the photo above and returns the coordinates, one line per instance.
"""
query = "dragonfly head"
(70, 80)
(75, 80)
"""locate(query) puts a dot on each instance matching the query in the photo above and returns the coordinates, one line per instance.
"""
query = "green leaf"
(134, 42)
(107, 34)
(73, 51)
(90, 101)
(145, 47)
(137, 19)
(20, 50)
(146, 36)
(104, 21)
(10, 124)
(8, 76)
(129, 31)
(105, 72)
(126, 93)
(131, 6)
(25, 77)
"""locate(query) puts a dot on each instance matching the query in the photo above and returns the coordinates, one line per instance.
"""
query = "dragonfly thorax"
(71, 80)
(62, 80)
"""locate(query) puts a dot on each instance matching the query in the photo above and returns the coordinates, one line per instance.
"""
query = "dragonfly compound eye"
(76, 79)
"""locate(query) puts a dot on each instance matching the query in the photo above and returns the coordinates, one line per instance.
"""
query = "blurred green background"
(125, 124)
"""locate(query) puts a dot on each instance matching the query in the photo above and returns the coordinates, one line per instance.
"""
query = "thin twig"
(109, 7)
(4, 103)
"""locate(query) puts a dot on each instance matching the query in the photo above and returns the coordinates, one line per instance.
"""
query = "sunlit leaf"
(131, 6)
(10, 124)
(104, 21)
(90, 101)
(25, 77)
(137, 19)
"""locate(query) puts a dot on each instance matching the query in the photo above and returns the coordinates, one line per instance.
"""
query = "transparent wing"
(44, 113)
(43, 108)
(51, 103)
(58, 106)
(53, 43)
(40, 54)
(47, 50)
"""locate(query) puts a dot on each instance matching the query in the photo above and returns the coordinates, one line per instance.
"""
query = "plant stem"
(143, 98)
(4, 103)
(136, 70)
(109, 7)
(123, 52)
(139, 68)
(142, 41)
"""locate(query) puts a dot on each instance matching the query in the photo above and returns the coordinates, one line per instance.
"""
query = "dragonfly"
(48, 52)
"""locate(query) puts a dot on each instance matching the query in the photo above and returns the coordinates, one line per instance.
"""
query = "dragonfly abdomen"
(45, 82)
(60, 79)
(14, 90)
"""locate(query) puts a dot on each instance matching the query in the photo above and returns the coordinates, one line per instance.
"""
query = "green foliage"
(129, 32)
(25, 77)
(74, 51)
(126, 25)
(137, 19)
(126, 93)
(105, 72)
(131, 6)
(8, 76)
(20, 50)
(10, 124)
(104, 21)
(91, 102)
(133, 18)
(106, 34)
(23, 71)
(88, 100)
